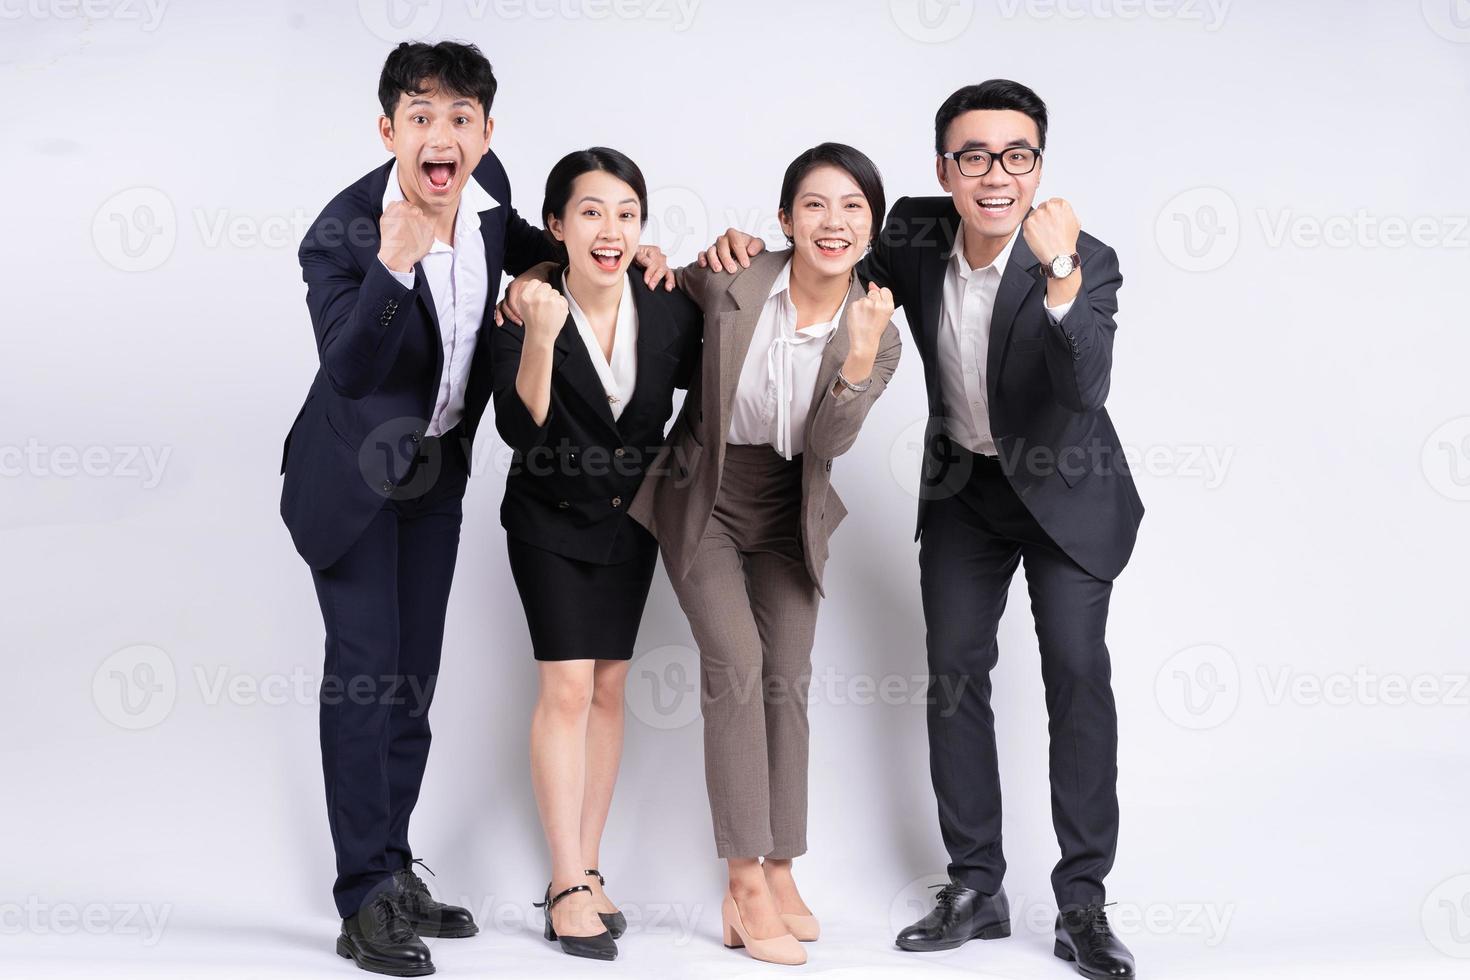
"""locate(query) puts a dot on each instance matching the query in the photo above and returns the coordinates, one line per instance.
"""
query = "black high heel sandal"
(616, 923)
(598, 947)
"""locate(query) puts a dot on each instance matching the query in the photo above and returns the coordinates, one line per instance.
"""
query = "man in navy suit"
(1012, 310)
(401, 269)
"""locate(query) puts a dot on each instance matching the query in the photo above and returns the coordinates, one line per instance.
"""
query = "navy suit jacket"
(1045, 383)
(573, 476)
(381, 357)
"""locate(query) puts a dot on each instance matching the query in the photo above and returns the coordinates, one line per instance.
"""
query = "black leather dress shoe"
(1084, 937)
(959, 915)
(380, 940)
(616, 922)
(427, 916)
(598, 947)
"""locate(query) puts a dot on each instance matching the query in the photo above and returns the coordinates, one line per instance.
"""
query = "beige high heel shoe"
(804, 927)
(783, 949)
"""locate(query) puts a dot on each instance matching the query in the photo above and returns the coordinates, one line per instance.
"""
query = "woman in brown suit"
(795, 354)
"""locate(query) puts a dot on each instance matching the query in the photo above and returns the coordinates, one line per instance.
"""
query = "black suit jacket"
(573, 477)
(380, 358)
(1045, 382)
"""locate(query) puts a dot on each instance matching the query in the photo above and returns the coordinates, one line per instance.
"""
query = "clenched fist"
(868, 318)
(407, 234)
(544, 311)
(1051, 230)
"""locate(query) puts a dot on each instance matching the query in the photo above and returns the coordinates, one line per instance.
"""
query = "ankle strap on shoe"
(550, 902)
(596, 874)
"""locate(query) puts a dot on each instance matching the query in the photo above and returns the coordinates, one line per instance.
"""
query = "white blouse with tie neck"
(779, 376)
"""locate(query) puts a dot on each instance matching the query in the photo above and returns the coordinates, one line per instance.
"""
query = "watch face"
(1061, 266)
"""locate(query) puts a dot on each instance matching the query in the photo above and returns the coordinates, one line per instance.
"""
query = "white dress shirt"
(964, 342)
(779, 376)
(619, 375)
(459, 283)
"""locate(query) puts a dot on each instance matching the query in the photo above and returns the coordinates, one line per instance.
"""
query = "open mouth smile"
(439, 174)
(833, 246)
(607, 258)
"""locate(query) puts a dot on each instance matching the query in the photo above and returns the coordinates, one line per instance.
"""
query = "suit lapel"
(834, 354)
(750, 290)
(655, 332)
(574, 362)
(932, 268)
(1015, 285)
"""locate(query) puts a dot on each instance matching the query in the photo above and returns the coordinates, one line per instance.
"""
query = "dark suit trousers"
(383, 604)
(973, 539)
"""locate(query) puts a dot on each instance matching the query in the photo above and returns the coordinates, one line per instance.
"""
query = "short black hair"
(415, 68)
(852, 161)
(997, 93)
(559, 182)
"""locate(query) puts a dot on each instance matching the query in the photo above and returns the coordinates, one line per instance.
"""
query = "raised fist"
(869, 316)
(544, 311)
(1051, 230)
(407, 235)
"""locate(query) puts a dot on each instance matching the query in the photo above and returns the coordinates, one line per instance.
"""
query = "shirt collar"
(957, 254)
(472, 200)
(782, 285)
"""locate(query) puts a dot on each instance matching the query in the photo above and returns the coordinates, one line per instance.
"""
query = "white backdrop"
(1284, 186)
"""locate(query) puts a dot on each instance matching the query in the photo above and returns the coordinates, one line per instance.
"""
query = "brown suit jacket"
(678, 492)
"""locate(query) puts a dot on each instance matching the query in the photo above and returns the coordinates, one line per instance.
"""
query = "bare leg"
(558, 775)
(604, 750)
(783, 886)
(758, 909)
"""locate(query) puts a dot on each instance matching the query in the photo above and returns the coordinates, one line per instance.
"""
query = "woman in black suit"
(582, 394)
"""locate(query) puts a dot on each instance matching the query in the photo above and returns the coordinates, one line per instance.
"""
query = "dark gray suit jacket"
(1045, 382)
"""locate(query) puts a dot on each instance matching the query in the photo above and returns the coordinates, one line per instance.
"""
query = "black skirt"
(577, 610)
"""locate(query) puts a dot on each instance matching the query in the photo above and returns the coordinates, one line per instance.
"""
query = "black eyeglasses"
(1015, 160)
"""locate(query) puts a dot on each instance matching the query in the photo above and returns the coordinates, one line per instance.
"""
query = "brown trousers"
(752, 607)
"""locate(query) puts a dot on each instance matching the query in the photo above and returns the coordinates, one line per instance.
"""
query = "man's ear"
(940, 174)
(489, 127)
(385, 132)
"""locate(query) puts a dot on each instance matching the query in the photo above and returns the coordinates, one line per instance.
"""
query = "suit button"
(617, 501)
(620, 451)
(562, 505)
(415, 436)
(387, 486)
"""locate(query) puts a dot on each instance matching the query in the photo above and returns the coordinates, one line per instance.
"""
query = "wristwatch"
(1061, 267)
